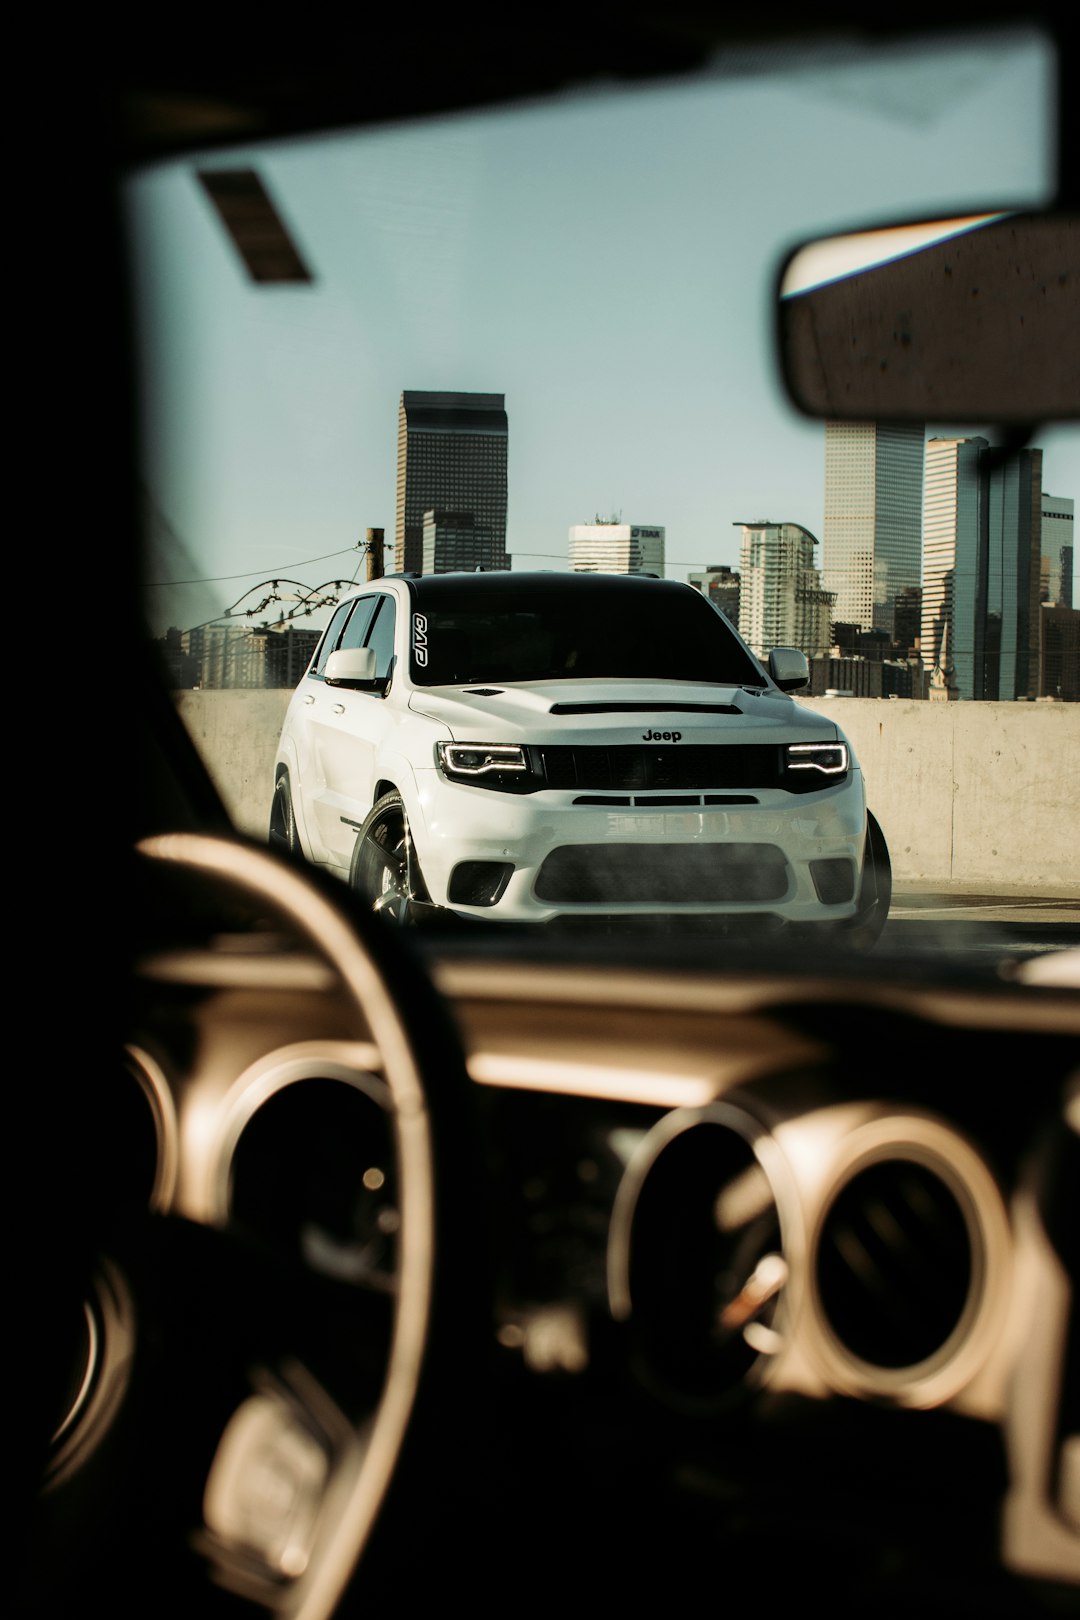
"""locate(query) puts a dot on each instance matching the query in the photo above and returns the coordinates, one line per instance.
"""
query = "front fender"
(287, 759)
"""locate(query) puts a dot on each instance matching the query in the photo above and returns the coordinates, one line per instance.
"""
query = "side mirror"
(351, 666)
(949, 320)
(789, 668)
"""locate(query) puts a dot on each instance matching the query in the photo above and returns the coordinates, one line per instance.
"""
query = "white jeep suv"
(542, 746)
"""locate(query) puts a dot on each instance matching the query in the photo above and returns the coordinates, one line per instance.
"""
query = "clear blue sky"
(606, 261)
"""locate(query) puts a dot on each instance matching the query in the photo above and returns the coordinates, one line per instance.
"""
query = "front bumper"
(648, 857)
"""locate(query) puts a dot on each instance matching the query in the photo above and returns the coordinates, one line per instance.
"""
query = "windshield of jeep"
(598, 630)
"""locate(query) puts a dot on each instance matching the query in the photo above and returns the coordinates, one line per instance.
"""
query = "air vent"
(909, 1263)
(895, 1264)
(697, 1265)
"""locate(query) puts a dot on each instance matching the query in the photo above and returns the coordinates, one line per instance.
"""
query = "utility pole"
(374, 550)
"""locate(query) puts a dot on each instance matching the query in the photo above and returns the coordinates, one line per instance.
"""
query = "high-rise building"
(451, 456)
(1056, 561)
(871, 544)
(782, 602)
(721, 585)
(456, 540)
(981, 527)
(1059, 653)
(617, 548)
(951, 511)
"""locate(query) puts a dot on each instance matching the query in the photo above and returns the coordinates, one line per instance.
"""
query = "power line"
(222, 579)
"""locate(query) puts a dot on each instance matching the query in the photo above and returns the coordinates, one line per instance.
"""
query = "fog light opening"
(834, 880)
(479, 883)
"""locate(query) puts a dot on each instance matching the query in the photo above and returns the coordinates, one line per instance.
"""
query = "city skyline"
(605, 260)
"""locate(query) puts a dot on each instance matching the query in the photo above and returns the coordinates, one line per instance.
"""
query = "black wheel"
(282, 833)
(385, 873)
(875, 890)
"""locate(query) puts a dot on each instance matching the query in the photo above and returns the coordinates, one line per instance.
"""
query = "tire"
(384, 873)
(875, 890)
(282, 833)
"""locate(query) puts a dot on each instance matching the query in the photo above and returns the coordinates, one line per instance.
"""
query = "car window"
(359, 623)
(576, 297)
(331, 638)
(548, 634)
(381, 636)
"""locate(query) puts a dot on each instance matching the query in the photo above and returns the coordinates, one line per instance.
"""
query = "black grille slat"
(631, 769)
(683, 874)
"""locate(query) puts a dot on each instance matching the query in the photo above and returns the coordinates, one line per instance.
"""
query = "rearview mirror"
(971, 319)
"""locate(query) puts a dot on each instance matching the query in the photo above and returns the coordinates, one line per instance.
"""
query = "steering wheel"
(216, 1420)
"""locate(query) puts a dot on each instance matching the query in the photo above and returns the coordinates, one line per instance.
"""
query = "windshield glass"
(538, 340)
(543, 633)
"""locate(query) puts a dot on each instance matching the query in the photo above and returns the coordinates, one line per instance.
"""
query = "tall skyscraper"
(451, 457)
(981, 526)
(871, 545)
(617, 548)
(1056, 562)
(782, 602)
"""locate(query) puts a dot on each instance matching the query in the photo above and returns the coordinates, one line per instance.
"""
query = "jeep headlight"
(813, 765)
(507, 767)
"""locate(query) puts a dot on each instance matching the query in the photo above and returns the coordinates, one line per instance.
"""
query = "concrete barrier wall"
(980, 793)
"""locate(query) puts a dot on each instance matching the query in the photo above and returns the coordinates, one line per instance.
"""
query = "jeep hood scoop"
(645, 708)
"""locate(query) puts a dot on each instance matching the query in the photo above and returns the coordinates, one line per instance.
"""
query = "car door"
(310, 698)
(348, 726)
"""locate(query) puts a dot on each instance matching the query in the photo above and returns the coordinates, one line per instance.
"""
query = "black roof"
(428, 587)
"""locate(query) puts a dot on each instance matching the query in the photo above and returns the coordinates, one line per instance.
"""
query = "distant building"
(457, 540)
(617, 548)
(981, 570)
(1056, 547)
(721, 585)
(871, 543)
(181, 669)
(1059, 660)
(852, 641)
(782, 602)
(849, 677)
(902, 678)
(452, 455)
(230, 657)
(907, 627)
(289, 651)
(208, 648)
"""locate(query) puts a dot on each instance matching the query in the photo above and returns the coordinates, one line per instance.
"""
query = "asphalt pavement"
(964, 923)
(914, 901)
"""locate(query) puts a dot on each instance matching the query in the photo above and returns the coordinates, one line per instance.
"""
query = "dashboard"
(583, 1280)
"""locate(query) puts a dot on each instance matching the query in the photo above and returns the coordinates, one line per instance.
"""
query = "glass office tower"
(451, 457)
